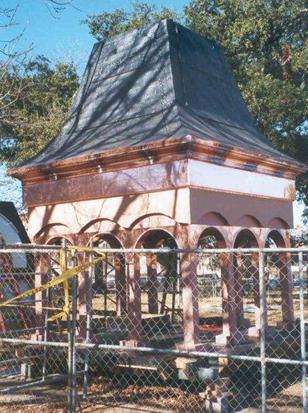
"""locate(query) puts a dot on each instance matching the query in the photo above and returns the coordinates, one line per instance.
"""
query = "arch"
(275, 239)
(246, 277)
(249, 221)
(246, 239)
(278, 223)
(152, 220)
(211, 238)
(47, 228)
(106, 237)
(162, 272)
(155, 238)
(212, 272)
(278, 266)
(58, 241)
(97, 223)
(110, 275)
(213, 219)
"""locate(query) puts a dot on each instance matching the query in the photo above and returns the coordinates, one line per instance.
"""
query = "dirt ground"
(159, 399)
(105, 397)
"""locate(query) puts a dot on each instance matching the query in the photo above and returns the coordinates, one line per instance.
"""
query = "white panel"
(222, 178)
(10, 235)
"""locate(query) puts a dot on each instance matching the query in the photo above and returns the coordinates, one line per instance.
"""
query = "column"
(255, 331)
(286, 284)
(134, 301)
(120, 284)
(228, 335)
(151, 261)
(189, 262)
(85, 298)
(239, 290)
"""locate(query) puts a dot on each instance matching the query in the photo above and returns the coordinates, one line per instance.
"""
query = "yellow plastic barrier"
(64, 277)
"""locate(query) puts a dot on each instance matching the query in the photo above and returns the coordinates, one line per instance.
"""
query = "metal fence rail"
(114, 330)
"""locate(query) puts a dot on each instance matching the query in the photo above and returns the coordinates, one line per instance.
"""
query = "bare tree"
(9, 55)
(12, 56)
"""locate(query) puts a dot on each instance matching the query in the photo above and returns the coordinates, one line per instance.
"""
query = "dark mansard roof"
(154, 83)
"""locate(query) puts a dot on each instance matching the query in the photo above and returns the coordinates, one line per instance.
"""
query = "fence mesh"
(160, 330)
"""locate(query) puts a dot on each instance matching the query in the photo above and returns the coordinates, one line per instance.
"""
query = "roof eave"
(161, 151)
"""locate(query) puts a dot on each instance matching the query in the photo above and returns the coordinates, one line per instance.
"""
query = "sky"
(63, 37)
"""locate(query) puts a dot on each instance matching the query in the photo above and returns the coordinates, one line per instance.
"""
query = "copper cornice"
(161, 151)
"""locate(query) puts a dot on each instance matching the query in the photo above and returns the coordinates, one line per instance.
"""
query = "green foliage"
(37, 102)
(266, 43)
(106, 24)
(299, 238)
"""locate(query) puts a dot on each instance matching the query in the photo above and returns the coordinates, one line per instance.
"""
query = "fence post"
(89, 325)
(46, 327)
(72, 342)
(262, 288)
(302, 328)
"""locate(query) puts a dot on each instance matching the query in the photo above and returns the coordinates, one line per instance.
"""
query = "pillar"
(85, 298)
(151, 261)
(134, 301)
(189, 264)
(255, 331)
(120, 284)
(239, 290)
(286, 284)
(229, 332)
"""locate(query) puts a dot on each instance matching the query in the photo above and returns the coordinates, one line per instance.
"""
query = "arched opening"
(100, 225)
(109, 280)
(275, 240)
(156, 238)
(58, 241)
(159, 282)
(211, 238)
(152, 220)
(279, 282)
(245, 239)
(47, 265)
(246, 273)
(212, 284)
(213, 307)
(53, 231)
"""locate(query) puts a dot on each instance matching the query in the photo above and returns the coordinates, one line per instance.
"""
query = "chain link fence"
(156, 330)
